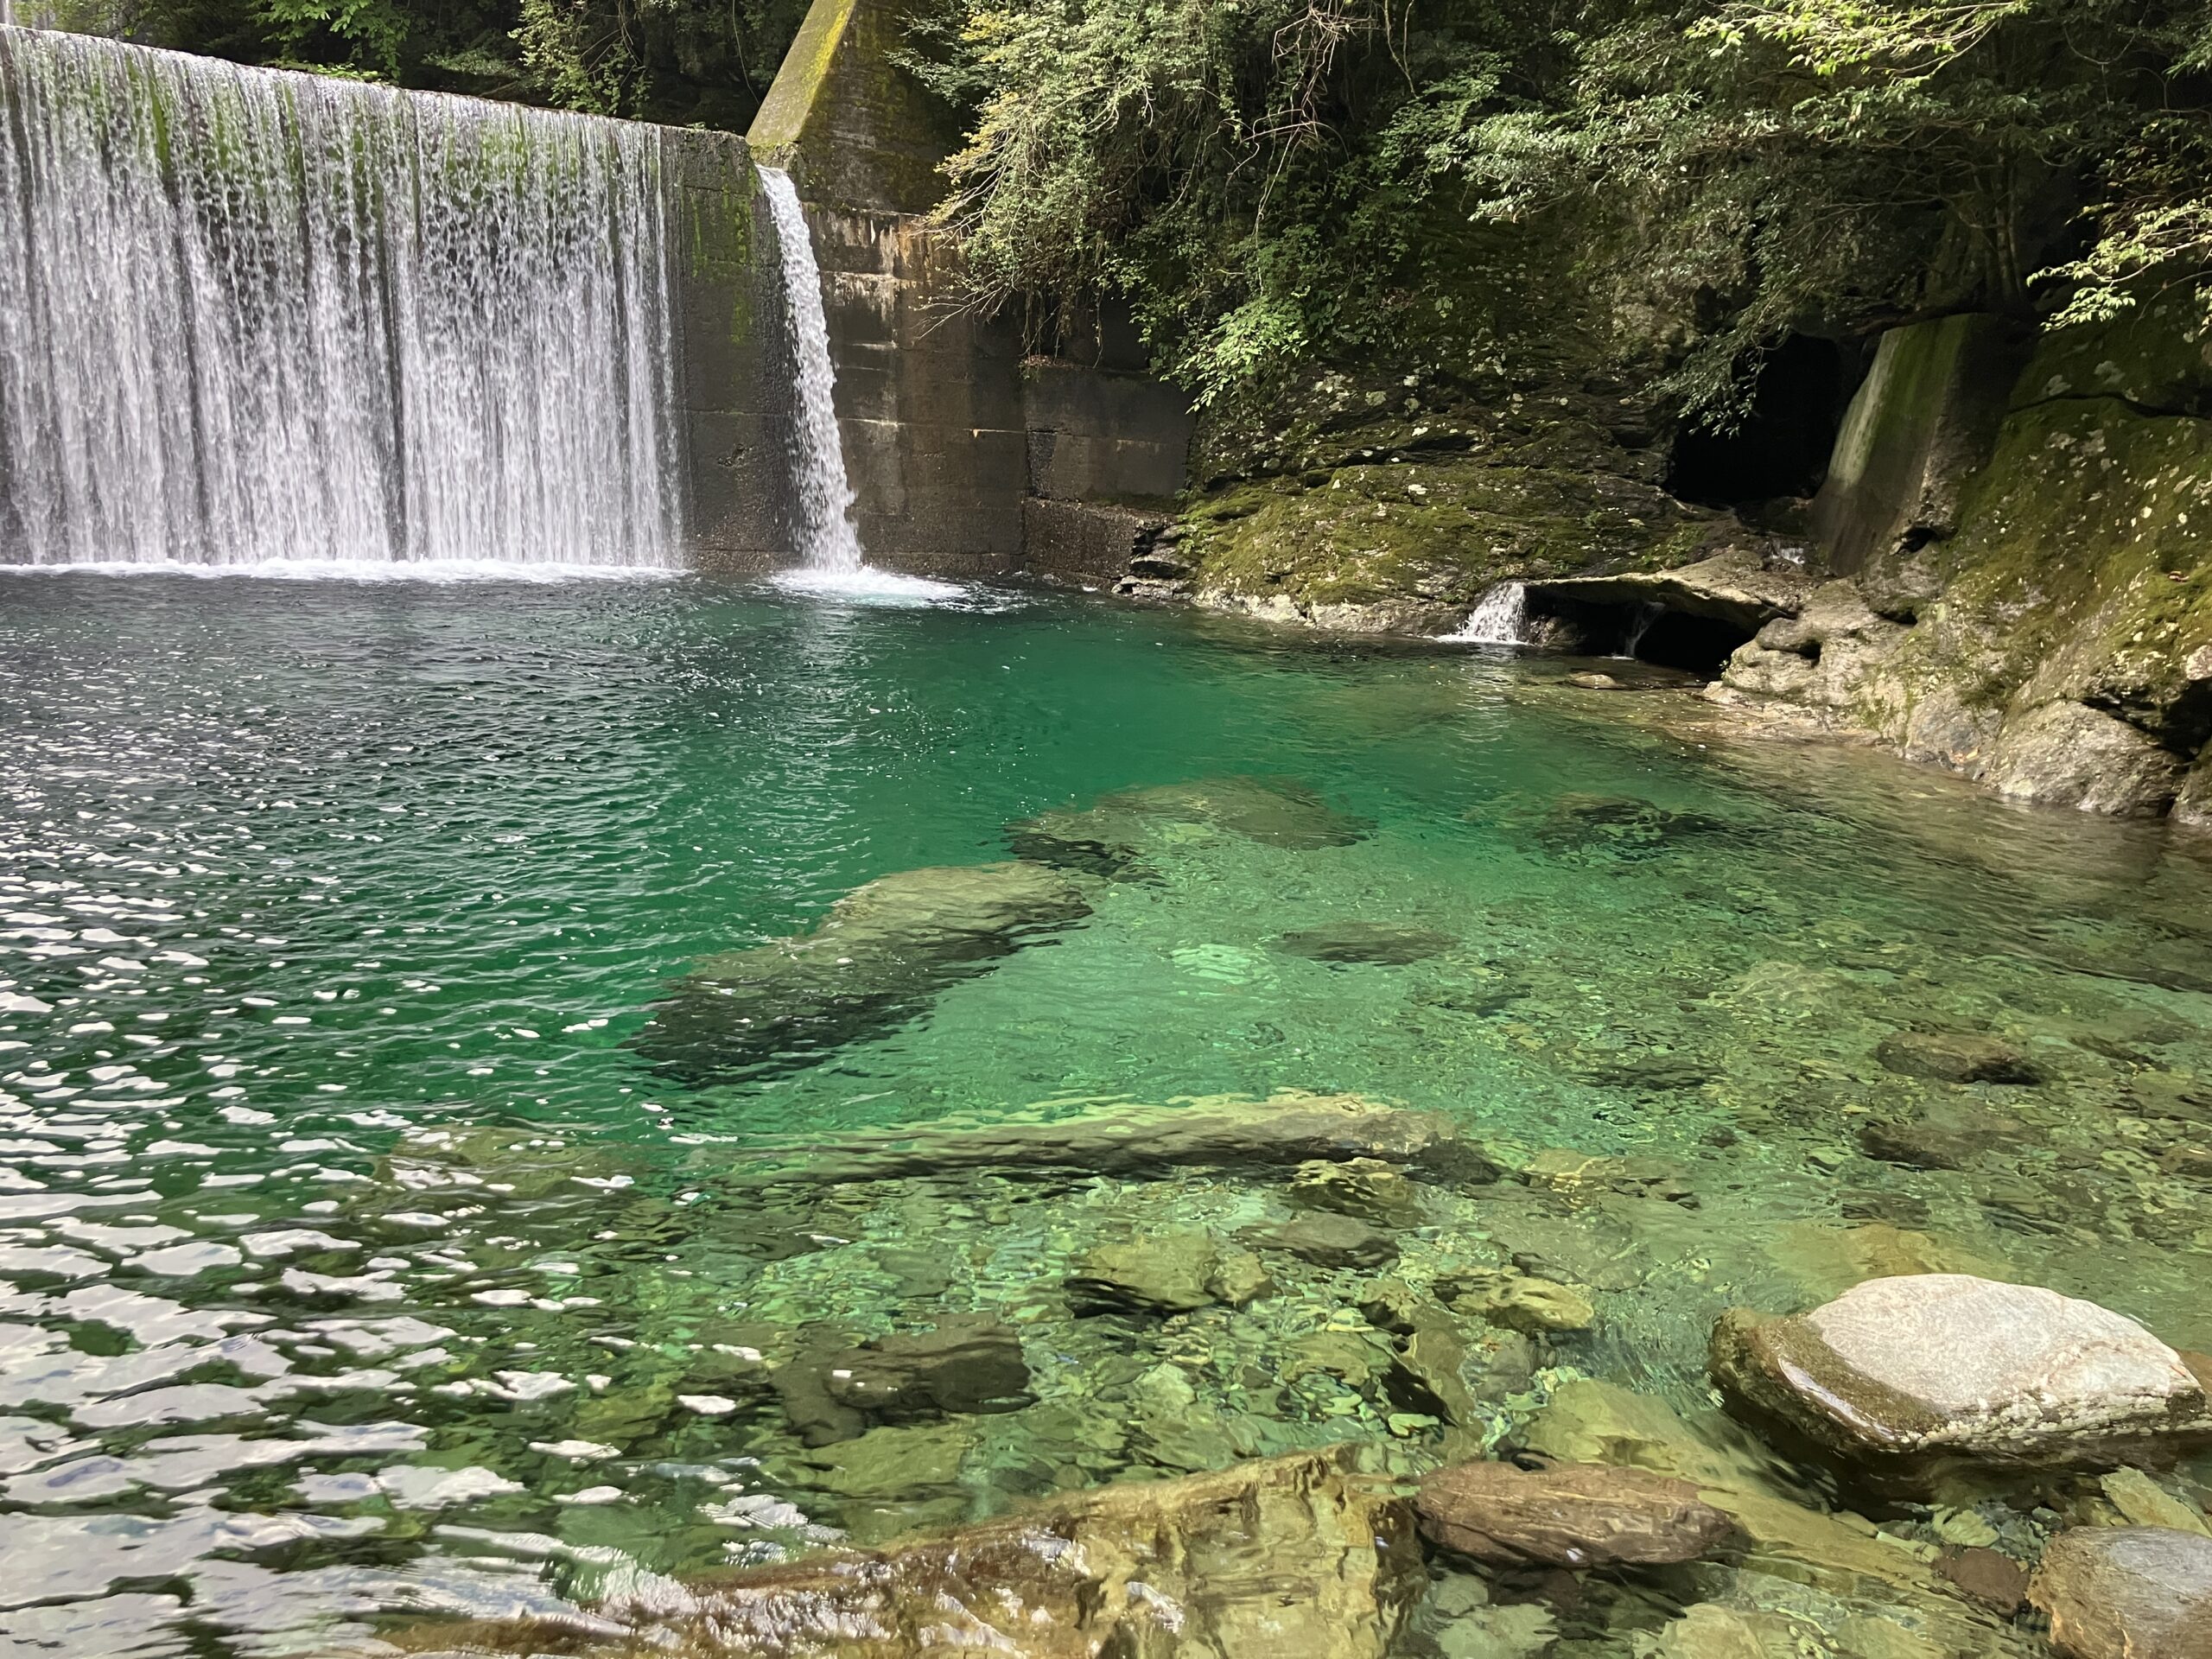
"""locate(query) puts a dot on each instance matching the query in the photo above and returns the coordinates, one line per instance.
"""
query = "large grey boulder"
(1899, 1374)
(2128, 1592)
(2068, 755)
(877, 960)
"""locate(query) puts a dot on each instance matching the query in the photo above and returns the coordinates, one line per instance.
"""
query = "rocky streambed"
(1316, 1375)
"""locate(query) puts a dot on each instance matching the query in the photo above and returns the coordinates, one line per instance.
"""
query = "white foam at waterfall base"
(1501, 617)
(829, 544)
(250, 318)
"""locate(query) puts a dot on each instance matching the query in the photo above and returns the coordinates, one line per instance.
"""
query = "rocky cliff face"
(1512, 434)
(2002, 573)
(2032, 605)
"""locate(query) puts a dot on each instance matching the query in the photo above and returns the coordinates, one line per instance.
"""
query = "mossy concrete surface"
(853, 129)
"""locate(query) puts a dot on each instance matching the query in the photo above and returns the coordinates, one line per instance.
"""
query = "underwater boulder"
(877, 960)
(1217, 1132)
(1111, 836)
(1899, 1377)
(1378, 942)
(1955, 1057)
(2128, 1592)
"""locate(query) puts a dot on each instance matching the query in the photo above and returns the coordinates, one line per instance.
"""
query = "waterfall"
(1639, 625)
(1501, 617)
(828, 542)
(250, 316)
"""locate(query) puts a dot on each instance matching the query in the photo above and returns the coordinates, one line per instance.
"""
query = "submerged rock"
(1950, 1134)
(2128, 1592)
(1328, 1239)
(1955, 1057)
(1365, 1187)
(1219, 1131)
(965, 1365)
(876, 961)
(1378, 943)
(1899, 1374)
(1161, 1273)
(1625, 827)
(1109, 836)
(1572, 1515)
(1292, 1555)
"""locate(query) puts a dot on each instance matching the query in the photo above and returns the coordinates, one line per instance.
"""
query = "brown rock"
(1986, 1576)
(2128, 1592)
(1222, 1131)
(965, 1365)
(1572, 1515)
(1950, 1134)
(1329, 1239)
(1955, 1057)
(1161, 1273)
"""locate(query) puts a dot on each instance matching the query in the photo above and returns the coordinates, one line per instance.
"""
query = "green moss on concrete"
(854, 128)
(782, 121)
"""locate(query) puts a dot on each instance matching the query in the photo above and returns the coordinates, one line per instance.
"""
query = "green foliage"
(578, 57)
(1267, 178)
(356, 36)
(705, 61)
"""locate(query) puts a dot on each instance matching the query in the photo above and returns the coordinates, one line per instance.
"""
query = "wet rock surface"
(875, 961)
(2128, 1592)
(1898, 1373)
(1297, 1554)
(1569, 1515)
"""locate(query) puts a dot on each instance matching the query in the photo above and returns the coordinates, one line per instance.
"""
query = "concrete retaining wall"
(951, 438)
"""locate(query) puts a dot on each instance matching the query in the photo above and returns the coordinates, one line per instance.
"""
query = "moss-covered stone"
(2059, 645)
(1417, 539)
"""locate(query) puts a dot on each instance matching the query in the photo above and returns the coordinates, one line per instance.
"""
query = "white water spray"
(250, 318)
(1500, 618)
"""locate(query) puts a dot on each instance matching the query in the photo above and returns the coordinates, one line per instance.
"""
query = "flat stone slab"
(878, 959)
(2128, 1592)
(1929, 1366)
(1220, 1131)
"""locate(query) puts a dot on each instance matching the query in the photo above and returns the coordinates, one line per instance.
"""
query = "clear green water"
(330, 906)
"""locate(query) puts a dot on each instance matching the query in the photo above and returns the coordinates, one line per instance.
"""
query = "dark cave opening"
(1781, 448)
(1696, 644)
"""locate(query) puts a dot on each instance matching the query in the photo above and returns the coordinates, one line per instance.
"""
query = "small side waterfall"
(1639, 625)
(828, 542)
(248, 316)
(1501, 617)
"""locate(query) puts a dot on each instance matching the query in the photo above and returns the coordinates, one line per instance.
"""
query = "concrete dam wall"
(249, 315)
